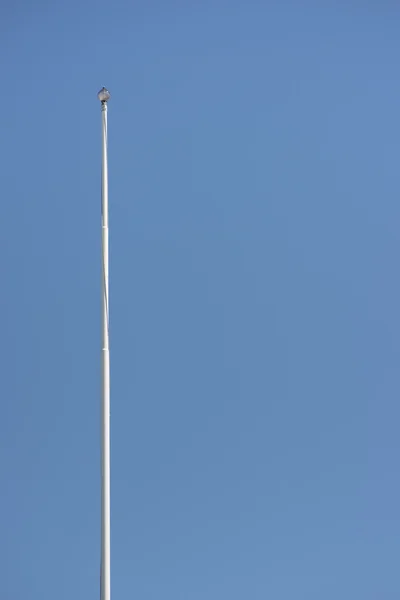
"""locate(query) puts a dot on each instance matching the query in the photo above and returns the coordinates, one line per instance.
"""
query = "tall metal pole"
(105, 587)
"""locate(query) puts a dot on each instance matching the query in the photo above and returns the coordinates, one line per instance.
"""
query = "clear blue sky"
(255, 320)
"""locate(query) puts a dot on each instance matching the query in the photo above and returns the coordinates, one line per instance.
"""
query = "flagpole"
(105, 587)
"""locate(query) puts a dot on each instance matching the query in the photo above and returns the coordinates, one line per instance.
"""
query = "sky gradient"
(254, 299)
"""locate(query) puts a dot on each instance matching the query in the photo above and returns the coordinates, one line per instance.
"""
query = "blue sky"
(254, 288)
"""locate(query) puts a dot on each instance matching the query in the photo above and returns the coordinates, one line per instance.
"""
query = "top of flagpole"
(104, 95)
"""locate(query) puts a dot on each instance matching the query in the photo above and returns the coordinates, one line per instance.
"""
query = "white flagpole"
(105, 587)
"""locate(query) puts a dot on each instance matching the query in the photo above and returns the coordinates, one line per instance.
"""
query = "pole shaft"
(105, 395)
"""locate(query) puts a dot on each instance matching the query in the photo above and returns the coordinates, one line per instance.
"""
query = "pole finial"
(104, 95)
